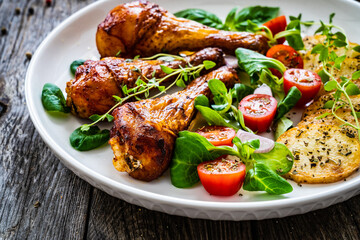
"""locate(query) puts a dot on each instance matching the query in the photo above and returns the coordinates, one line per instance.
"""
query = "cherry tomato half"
(308, 82)
(222, 177)
(277, 25)
(258, 111)
(287, 55)
(218, 135)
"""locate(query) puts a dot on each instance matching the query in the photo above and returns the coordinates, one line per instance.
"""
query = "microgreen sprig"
(331, 62)
(144, 85)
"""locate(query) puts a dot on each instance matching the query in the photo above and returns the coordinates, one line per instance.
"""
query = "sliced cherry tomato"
(258, 111)
(277, 25)
(308, 82)
(218, 135)
(222, 177)
(287, 55)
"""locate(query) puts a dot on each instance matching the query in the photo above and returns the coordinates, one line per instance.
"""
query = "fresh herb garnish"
(88, 137)
(331, 61)
(144, 85)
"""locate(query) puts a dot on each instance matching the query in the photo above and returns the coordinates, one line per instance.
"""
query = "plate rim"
(82, 170)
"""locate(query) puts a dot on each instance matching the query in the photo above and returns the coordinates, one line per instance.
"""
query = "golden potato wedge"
(322, 153)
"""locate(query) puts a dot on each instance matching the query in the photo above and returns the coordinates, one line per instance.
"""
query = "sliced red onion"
(266, 145)
(263, 89)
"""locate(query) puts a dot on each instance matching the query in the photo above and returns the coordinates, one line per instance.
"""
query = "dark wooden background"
(41, 199)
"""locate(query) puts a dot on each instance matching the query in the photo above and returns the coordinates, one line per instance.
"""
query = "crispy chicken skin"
(144, 132)
(95, 83)
(143, 28)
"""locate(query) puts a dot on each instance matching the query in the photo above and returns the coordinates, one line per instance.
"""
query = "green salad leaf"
(281, 126)
(53, 99)
(238, 20)
(295, 40)
(239, 91)
(257, 66)
(201, 16)
(287, 103)
(214, 118)
(89, 139)
(279, 159)
(261, 178)
(75, 64)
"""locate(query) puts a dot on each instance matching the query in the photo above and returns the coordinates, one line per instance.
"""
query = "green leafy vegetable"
(238, 20)
(235, 20)
(239, 91)
(356, 75)
(295, 40)
(279, 159)
(253, 63)
(202, 17)
(166, 69)
(202, 100)
(352, 89)
(97, 117)
(223, 112)
(214, 118)
(90, 139)
(189, 152)
(263, 169)
(261, 178)
(53, 99)
(257, 66)
(288, 102)
(75, 64)
(281, 126)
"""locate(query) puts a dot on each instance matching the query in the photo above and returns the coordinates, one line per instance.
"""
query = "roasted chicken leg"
(95, 83)
(143, 28)
(144, 132)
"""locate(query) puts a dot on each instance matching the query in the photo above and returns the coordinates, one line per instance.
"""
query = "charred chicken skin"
(95, 83)
(144, 132)
(143, 28)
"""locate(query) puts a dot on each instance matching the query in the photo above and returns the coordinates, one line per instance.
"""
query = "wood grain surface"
(41, 199)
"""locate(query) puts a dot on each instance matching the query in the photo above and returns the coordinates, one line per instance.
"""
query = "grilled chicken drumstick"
(144, 132)
(95, 83)
(143, 28)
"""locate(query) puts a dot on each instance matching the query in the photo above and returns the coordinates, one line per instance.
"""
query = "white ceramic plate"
(75, 39)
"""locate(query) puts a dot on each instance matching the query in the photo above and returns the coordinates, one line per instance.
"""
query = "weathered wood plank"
(39, 197)
(111, 218)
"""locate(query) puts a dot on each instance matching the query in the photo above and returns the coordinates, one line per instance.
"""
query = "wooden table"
(41, 199)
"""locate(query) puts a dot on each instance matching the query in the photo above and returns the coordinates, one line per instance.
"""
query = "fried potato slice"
(350, 65)
(322, 153)
(330, 119)
(318, 105)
